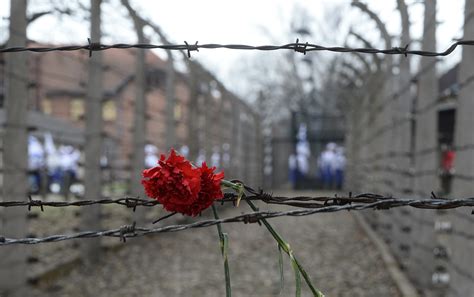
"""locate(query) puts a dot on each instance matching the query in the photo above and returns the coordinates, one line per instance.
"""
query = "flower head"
(210, 187)
(180, 187)
(174, 182)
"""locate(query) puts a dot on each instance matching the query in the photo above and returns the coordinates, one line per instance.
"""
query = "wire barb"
(93, 46)
(300, 48)
(192, 47)
(125, 230)
(359, 202)
(34, 203)
(307, 47)
(402, 50)
(131, 203)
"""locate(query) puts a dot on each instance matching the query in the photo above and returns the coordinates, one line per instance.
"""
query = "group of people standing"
(51, 166)
(331, 165)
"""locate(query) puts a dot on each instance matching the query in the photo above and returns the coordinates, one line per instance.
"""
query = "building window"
(178, 111)
(46, 106)
(109, 111)
(155, 78)
(77, 109)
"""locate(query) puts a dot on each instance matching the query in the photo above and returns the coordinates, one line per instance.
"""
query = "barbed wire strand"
(431, 202)
(331, 204)
(301, 47)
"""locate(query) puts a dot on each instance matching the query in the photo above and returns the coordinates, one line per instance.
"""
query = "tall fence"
(434, 247)
(415, 236)
(408, 137)
(228, 136)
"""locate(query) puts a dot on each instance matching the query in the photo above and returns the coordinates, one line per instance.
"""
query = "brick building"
(208, 118)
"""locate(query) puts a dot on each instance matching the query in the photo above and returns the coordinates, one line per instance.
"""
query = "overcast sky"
(253, 22)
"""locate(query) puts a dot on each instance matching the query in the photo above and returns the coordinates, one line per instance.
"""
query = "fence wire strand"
(309, 205)
(297, 46)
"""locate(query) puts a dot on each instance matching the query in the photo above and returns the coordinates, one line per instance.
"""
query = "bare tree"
(15, 151)
(403, 132)
(195, 71)
(385, 87)
(93, 131)
(170, 138)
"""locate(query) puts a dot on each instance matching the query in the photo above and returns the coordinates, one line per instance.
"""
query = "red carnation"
(210, 188)
(180, 187)
(174, 183)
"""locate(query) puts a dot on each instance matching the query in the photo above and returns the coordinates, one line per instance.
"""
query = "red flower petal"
(174, 183)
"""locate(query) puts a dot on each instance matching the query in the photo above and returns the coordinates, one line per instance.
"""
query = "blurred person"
(327, 165)
(36, 162)
(292, 170)
(53, 164)
(184, 151)
(448, 155)
(201, 157)
(215, 157)
(320, 170)
(339, 166)
(69, 164)
(447, 161)
(303, 165)
(303, 153)
(151, 156)
(225, 155)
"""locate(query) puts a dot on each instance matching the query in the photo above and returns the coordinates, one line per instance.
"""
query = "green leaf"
(297, 276)
(224, 245)
(287, 249)
(316, 292)
(224, 249)
(280, 265)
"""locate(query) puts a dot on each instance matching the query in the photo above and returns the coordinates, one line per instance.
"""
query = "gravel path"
(333, 249)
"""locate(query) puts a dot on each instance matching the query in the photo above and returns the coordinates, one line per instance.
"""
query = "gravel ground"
(333, 249)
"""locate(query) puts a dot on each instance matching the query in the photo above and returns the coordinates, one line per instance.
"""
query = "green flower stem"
(224, 246)
(238, 187)
(286, 248)
(229, 184)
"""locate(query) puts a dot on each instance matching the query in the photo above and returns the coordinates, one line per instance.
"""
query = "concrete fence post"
(426, 164)
(13, 268)
(460, 248)
(93, 135)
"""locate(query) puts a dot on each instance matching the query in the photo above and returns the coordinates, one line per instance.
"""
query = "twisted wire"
(297, 46)
(312, 205)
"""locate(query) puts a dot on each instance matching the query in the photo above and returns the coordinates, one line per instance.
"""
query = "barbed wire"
(416, 112)
(82, 60)
(431, 202)
(297, 46)
(312, 205)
